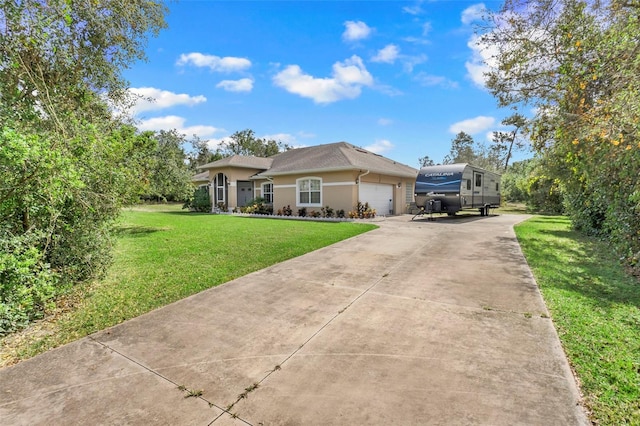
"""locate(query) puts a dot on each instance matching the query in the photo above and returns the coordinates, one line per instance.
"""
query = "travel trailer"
(449, 188)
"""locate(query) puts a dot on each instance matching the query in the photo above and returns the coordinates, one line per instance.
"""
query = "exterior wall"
(233, 175)
(340, 191)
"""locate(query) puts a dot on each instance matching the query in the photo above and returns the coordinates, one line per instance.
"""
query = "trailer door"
(478, 189)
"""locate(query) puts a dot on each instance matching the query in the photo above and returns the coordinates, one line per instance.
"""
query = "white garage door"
(379, 196)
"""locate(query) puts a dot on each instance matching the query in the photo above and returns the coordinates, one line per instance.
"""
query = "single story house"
(338, 175)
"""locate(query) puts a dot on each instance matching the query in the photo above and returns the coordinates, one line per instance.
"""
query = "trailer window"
(478, 180)
(496, 186)
(468, 184)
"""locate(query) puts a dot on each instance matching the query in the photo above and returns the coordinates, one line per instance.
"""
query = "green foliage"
(66, 164)
(327, 211)
(462, 150)
(201, 201)
(27, 283)
(581, 72)
(285, 211)
(245, 142)
(514, 182)
(258, 206)
(170, 175)
(466, 150)
(362, 211)
(56, 55)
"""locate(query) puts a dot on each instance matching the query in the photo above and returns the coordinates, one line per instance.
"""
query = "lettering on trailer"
(434, 174)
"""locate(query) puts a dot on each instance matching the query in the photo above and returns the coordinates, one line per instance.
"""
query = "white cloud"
(242, 85)
(385, 121)
(426, 28)
(356, 30)
(152, 99)
(387, 54)
(416, 40)
(435, 80)
(473, 125)
(408, 62)
(473, 13)
(482, 60)
(347, 80)
(287, 138)
(416, 9)
(170, 122)
(214, 63)
(380, 146)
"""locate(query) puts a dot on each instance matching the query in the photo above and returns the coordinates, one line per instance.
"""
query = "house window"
(408, 194)
(267, 192)
(220, 188)
(309, 192)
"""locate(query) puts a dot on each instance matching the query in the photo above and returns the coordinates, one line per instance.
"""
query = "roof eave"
(267, 173)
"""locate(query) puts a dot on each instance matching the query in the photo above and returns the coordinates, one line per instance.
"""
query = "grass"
(163, 255)
(595, 307)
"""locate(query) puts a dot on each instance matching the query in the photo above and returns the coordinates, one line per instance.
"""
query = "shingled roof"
(244, 161)
(334, 157)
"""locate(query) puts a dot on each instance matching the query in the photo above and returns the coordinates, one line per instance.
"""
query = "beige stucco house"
(337, 175)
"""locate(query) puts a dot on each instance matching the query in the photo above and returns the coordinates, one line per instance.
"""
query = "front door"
(245, 193)
(478, 189)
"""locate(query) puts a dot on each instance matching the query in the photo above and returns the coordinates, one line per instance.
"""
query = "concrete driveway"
(414, 323)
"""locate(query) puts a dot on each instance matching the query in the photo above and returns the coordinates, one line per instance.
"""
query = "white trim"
(262, 192)
(350, 183)
(285, 186)
(309, 178)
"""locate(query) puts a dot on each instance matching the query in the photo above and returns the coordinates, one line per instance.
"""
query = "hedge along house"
(338, 175)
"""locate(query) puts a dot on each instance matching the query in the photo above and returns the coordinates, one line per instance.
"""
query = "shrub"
(28, 284)
(327, 211)
(258, 206)
(302, 212)
(200, 201)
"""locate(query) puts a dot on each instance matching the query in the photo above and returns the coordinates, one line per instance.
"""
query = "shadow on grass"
(580, 264)
(186, 213)
(136, 230)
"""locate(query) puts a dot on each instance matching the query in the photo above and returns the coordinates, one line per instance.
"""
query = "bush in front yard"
(258, 206)
(200, 202)
(27, 284)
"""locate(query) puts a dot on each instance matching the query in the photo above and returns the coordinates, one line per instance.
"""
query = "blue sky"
(398, 78)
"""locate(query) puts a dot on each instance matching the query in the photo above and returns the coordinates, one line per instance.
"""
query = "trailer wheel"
(487, 208)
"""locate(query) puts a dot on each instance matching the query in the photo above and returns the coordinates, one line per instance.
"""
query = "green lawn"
(164, 254)
(595, 307)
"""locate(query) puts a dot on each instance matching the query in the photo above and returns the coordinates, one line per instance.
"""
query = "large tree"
(578, 64)
(245, 142)
(463, 149)
(170, 177)
(67, 165)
